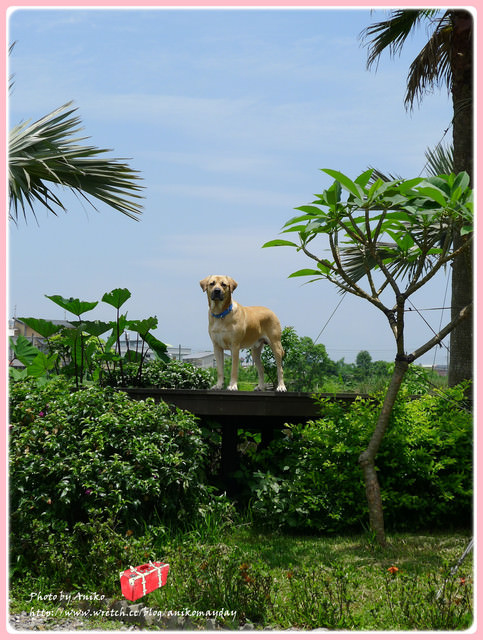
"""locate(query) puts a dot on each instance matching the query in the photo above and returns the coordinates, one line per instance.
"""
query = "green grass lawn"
(365, 587)
(309, 582)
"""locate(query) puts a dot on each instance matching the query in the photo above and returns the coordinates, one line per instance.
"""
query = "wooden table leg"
(230, 461)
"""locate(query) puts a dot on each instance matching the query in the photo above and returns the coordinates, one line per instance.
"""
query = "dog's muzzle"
(217, 294)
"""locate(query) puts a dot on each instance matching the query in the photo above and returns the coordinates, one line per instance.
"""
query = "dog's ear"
(233, 284)
(204, 283)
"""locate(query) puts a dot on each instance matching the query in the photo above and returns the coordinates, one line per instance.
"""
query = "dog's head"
(218, 287)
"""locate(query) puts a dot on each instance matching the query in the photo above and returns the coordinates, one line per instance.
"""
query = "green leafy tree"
(307, 365)
(409, 212)
(364, 361)
(50, 153)
(445, 60)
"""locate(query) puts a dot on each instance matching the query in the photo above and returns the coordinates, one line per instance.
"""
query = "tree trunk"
(368, 457)
(461, 342)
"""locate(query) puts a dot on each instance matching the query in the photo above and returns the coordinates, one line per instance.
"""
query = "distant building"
(179, 352)
(440, 369)
(202, 359)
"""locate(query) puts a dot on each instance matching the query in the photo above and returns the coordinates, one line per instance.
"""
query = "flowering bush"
(94, 455)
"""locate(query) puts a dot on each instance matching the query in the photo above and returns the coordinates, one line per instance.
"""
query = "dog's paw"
(281, 387)
(232, 387)
(260, 387)
(217, 387)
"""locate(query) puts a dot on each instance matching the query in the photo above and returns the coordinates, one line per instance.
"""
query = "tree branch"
(463, 314)
(438, 264)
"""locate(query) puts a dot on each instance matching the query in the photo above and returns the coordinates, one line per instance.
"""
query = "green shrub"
(166, 375)
(90, 460)
(309, 478)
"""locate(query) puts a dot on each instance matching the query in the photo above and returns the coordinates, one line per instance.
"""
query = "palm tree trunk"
(367, 458)
(461, 343)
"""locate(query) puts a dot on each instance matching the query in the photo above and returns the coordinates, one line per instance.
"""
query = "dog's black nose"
(217, 293)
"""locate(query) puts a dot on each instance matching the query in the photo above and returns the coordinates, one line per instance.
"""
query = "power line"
(428, 325)
(330, 318)
(430, 309)
(441, 316)
(440, 141)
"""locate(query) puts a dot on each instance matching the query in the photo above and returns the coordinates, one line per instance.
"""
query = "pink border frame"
(6, 8)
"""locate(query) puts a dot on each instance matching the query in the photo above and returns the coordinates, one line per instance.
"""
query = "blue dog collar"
(223, 313)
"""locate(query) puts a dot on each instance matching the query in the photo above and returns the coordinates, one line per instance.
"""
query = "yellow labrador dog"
(234, 327)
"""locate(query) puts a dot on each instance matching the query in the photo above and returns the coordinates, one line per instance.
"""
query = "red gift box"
(136, 582)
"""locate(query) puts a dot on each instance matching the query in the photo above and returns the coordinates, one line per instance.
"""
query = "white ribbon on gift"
(143, 575)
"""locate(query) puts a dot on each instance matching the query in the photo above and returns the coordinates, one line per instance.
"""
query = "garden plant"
(78, 350)
(100, 482)
(386, 240)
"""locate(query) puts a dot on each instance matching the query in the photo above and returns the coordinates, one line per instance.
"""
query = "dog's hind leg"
(278, 355)
(256, 355)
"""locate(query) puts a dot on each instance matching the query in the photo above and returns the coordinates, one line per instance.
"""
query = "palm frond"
(48, 152)
(431, 67)
(358, 261)
(379, 175)
(11, 80)
(439, 161)
(392, 33)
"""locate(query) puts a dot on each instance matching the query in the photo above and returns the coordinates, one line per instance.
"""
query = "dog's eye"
(223, 284)
(212, 283)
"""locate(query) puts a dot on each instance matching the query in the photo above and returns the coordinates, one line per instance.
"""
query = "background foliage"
(309, 478)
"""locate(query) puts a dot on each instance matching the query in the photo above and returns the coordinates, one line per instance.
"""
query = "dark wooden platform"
(259, 411)
(258, 407)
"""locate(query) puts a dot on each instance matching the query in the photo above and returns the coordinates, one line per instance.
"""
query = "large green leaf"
(24, 350)
(462, 180)
(73, 305)
(364, 178)
(143, 326)
(310, 210)
(43, 327)
(41, 364)
(346, 182)
(95, 327)
(117, 297)
(304, 272)
(279, 243)
(159, 348)
(433, 193)
(117, 330)
(17, 374)
(403, 241)
(132, 356)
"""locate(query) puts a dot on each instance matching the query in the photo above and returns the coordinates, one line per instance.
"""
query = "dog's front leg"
(219, 357)
(235, 354)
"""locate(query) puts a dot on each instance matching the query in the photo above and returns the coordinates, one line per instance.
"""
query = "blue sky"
(229, 115)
